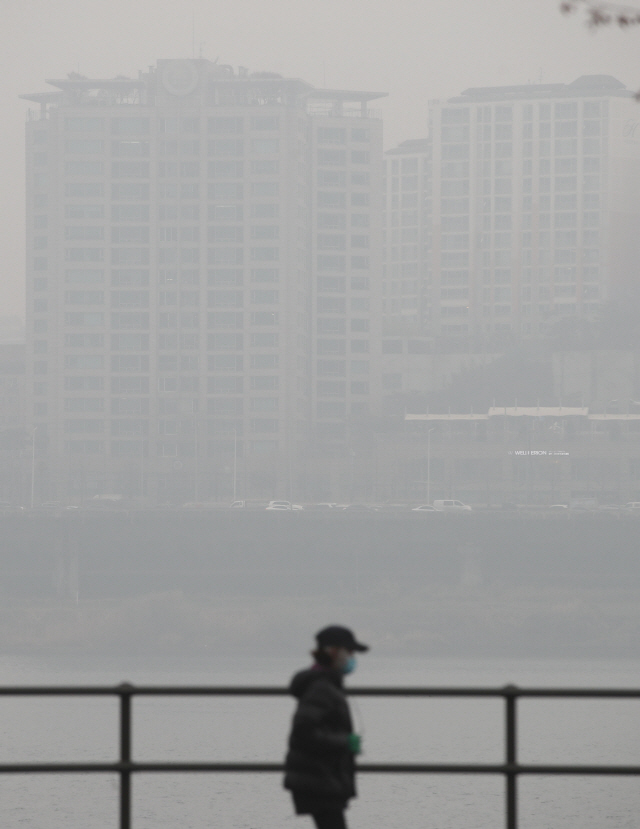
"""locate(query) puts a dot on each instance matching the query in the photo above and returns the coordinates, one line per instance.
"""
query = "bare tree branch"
(604, 14)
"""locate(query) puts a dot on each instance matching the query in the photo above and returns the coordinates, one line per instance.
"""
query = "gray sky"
(412, 50)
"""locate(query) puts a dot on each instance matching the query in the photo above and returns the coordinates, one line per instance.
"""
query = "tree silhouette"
(604, 14)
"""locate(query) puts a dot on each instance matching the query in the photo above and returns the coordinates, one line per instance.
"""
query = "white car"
(283, 505)
(449, 505)
(425, 508)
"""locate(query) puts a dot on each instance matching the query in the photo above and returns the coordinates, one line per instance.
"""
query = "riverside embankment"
(221, 580)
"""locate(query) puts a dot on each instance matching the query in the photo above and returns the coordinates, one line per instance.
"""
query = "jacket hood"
(303, 679)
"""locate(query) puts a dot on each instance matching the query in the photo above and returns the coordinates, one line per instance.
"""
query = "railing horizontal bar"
(55, 768)
(139, 690)
(587, 770)
(603, 693)
(509, 691)
(115, 768)
(384, 768)
(375, 768)
(279, 691)
(258, 691)
(61, 691)
(498, 768)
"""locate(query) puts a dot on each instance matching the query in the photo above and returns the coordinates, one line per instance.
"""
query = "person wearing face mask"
(320, 762)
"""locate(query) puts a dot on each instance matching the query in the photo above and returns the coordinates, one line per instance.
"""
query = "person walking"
(320, 762)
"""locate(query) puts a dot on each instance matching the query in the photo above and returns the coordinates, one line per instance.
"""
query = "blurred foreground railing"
(510, 768)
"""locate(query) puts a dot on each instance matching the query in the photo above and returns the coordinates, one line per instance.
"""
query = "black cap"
(339, 637)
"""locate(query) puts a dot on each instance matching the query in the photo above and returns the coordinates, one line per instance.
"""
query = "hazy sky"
(412, 50)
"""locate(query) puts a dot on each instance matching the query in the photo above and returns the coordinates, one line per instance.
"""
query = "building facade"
(539, 455)
(530, 213)
(405, 284)
(15, 441)
(203, 280)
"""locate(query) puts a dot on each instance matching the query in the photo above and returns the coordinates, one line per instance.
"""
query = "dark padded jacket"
(319, 766)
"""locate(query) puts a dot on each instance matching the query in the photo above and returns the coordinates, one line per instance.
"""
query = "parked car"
(632, 505)
(359, 508)
(202, 505)
(450, 505)
(583, 504)
(425, 508)
(107, 501)
(283, 505)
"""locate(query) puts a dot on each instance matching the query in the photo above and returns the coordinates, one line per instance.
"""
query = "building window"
(332, 135)
(130, 191)
(226, 125)
(264, 361)
(265, 146)
(79, 124)
(130, 149)
(264, 425)
(264, 340)
(129, 126)
(83, 168)
(265, 254)
(130, 169)
(265, 122)
(265, 297)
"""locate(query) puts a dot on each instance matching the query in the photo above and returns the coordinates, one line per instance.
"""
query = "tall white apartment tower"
(534, 207)
(203, 264)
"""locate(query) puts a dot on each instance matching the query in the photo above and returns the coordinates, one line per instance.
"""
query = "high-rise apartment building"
(203, 280)
(531, 214)
(405, 284)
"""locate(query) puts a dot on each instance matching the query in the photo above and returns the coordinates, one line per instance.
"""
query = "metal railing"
(510, 768)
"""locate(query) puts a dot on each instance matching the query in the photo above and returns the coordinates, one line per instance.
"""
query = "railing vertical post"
(511, 748)
(124, 691)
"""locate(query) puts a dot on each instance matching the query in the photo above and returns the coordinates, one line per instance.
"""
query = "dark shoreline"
(439, 622)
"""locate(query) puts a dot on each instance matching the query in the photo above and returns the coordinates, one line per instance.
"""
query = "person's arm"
(310, 725)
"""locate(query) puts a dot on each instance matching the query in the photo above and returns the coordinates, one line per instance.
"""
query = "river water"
(243, 729)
